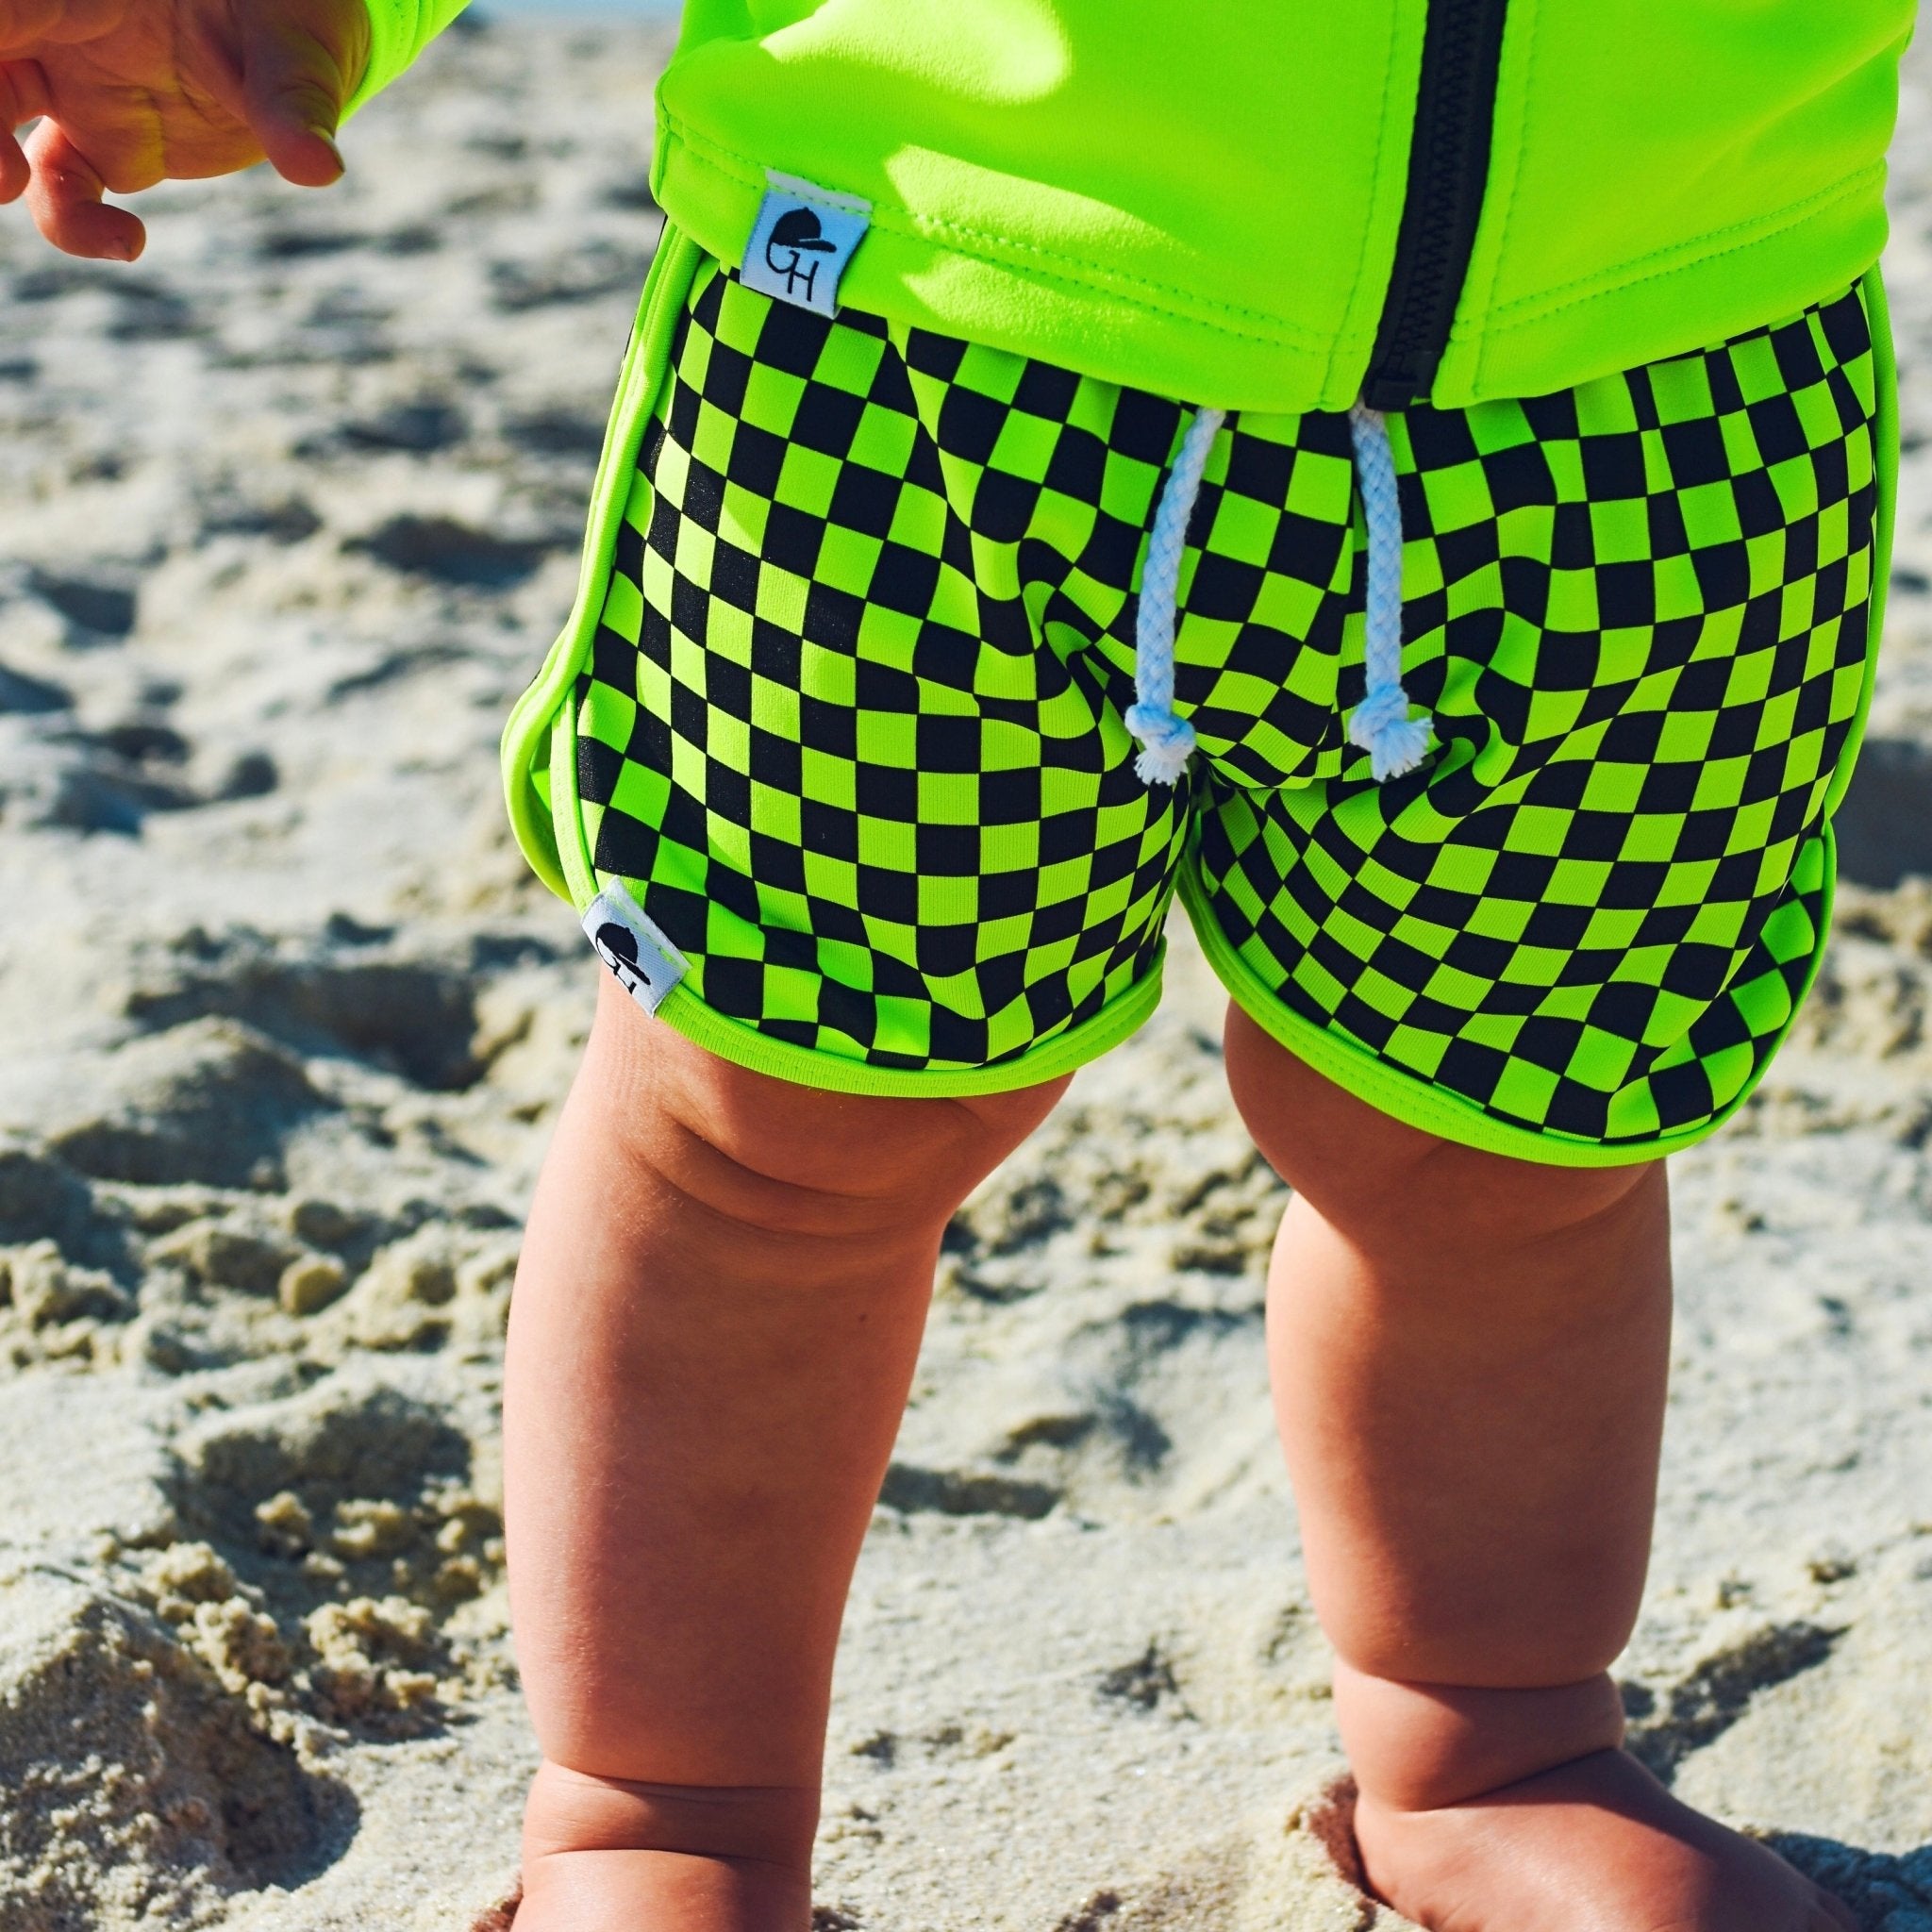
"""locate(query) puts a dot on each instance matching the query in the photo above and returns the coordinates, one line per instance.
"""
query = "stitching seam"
(1526, 308)
(1485, 334)
(1275, 330)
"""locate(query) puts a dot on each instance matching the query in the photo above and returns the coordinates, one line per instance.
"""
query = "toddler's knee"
(1482, 1202)
(1373, 1176)
(782, 1159)
(1447, 1205)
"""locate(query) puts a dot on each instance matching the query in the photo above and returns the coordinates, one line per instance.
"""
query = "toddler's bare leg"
(1469, 1357)
(714, 1328)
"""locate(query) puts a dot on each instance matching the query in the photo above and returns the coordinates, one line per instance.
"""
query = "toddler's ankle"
(624, 1891)
(605, 1854)
(1417, 1747)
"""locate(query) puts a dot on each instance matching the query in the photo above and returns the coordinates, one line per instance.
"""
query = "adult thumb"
(294, 86)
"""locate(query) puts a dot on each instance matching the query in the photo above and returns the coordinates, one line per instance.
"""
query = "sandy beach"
(291, 511)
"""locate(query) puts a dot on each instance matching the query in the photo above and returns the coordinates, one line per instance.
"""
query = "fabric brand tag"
(801, 241)
(646, 964)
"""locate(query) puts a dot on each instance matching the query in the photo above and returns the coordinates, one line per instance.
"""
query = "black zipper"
(1448, 165)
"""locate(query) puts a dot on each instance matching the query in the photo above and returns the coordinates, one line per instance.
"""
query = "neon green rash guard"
(1286, 205)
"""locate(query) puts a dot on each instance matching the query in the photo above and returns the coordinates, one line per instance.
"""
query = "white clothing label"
(801, 241)
(646, 964)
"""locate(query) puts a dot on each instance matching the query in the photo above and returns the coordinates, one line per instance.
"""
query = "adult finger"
(22, 98)
(53, 23)
(14, 172)
(64, 199)
(293, 91)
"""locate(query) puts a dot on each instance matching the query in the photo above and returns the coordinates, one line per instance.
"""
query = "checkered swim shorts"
(842, 711)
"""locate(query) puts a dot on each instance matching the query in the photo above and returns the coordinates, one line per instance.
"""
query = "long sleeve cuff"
(398, 32)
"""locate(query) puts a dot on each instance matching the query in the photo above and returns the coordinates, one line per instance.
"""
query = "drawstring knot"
(1166, 743)
(1381, 724)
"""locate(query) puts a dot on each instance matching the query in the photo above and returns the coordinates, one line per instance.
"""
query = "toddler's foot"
(1597, 1845)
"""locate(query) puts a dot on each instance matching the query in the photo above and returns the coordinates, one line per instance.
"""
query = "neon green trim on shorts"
(1405, 1097)
(1885, 460)
(539, 791)
(805, 1066)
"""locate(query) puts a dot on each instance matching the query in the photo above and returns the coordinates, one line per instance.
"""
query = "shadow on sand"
(1883, 830)
(1889, 1892)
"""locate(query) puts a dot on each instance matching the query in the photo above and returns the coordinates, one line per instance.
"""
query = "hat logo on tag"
(801, 241)
(796, 237)
(635, 948)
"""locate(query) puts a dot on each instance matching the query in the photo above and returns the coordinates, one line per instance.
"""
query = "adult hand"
(133, 92)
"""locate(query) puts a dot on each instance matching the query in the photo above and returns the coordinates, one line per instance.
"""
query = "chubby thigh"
(849, 727)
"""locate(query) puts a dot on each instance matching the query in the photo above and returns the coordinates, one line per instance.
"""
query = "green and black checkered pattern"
(851, 726)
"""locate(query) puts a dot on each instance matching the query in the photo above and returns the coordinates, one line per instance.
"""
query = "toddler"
(1410, 478)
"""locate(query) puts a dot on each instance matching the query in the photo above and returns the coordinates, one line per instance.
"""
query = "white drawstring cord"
(1166, 740)
(1381, 724)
